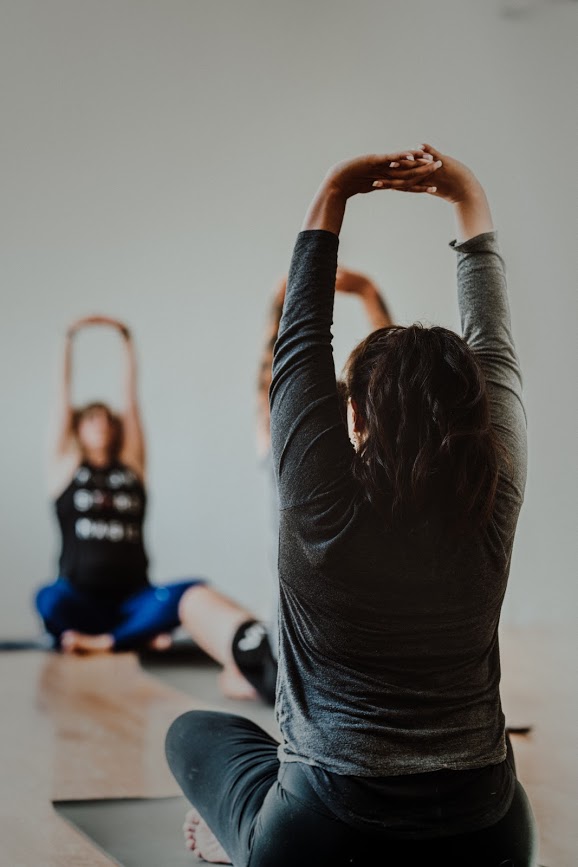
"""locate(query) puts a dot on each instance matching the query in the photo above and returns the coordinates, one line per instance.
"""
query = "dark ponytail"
(429, 454)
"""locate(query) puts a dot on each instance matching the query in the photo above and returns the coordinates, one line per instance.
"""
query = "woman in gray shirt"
(395, 541)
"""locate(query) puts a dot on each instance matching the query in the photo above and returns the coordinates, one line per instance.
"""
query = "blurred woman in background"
(102, 599)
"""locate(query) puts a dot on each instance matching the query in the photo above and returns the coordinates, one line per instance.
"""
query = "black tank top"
(101, 516)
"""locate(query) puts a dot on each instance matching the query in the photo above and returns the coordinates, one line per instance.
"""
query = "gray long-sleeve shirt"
(389, 659)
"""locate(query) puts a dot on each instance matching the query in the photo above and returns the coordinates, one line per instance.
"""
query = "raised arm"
(376, 308)
(354, 283)
(348, 282)
(63, 407)
(311, 449)
(265, 370)
(64, 455)
(133, 449)
(458, 185)
(65, 451)
(485, 318)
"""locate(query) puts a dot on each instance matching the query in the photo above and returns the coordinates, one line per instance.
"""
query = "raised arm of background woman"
(65, 452)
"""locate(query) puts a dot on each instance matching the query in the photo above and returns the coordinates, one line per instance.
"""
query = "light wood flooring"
(88, 728)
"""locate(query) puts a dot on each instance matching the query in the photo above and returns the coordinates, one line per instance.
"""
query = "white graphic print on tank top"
(105, 496)
(101, 515)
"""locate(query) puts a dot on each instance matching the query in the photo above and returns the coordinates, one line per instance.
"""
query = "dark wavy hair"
(428, 453)
(114, 420)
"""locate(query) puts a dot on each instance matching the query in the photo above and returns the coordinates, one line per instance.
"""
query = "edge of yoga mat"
(87, 816)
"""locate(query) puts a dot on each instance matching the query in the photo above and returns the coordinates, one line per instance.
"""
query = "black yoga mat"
(135, 832)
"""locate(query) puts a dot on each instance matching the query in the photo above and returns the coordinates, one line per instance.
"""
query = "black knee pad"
(254, 658)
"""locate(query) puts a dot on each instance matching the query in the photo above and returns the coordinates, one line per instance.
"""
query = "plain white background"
(157, 159)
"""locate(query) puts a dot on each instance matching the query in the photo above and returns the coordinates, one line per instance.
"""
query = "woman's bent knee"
(198, 731)
(180, 729)
(189, 731)
(46, 602)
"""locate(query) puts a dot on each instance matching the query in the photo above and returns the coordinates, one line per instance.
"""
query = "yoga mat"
(135, 832)
(40, 642)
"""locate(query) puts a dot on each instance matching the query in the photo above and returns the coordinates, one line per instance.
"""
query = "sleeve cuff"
(321, 235)
(487, 242)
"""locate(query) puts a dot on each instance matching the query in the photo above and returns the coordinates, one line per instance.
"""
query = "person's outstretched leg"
(213, 620)
(149, 613)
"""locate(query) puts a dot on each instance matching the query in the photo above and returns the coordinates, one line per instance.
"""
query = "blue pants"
(131, 622)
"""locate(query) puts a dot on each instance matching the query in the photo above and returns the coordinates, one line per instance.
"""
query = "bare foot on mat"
(233, 684)
(201, 841)
(164, 641)
(77, 642)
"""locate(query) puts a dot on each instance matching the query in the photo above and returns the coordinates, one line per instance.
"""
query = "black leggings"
(228, 769)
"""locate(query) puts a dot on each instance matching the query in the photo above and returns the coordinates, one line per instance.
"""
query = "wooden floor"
(539, 688)
(82, 728)
(76, 728)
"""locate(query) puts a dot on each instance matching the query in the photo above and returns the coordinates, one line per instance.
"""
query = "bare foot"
(201, 841)
(161, 642)
(77, 642)
(234, 685)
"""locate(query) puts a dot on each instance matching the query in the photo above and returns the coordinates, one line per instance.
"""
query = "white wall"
(157, 158)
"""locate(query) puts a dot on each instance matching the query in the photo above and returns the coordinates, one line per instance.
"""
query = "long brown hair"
(114, 420)
(428, 454)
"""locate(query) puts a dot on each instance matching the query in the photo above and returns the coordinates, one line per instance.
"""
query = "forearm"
(376, 309)
(133, 450)
(66, 374)
(130, 372)
(265, 367)
(263, 416)
(271, 333)
(327, 209)
(304, 402)
(63, 419)
(472, 213)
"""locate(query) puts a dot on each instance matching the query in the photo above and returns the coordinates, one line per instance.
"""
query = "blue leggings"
(132, 622)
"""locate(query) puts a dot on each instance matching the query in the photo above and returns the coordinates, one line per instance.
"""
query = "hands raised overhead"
(85, 321)
(424, 170)
(421, 170)
(353, 282)
(410, 171)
